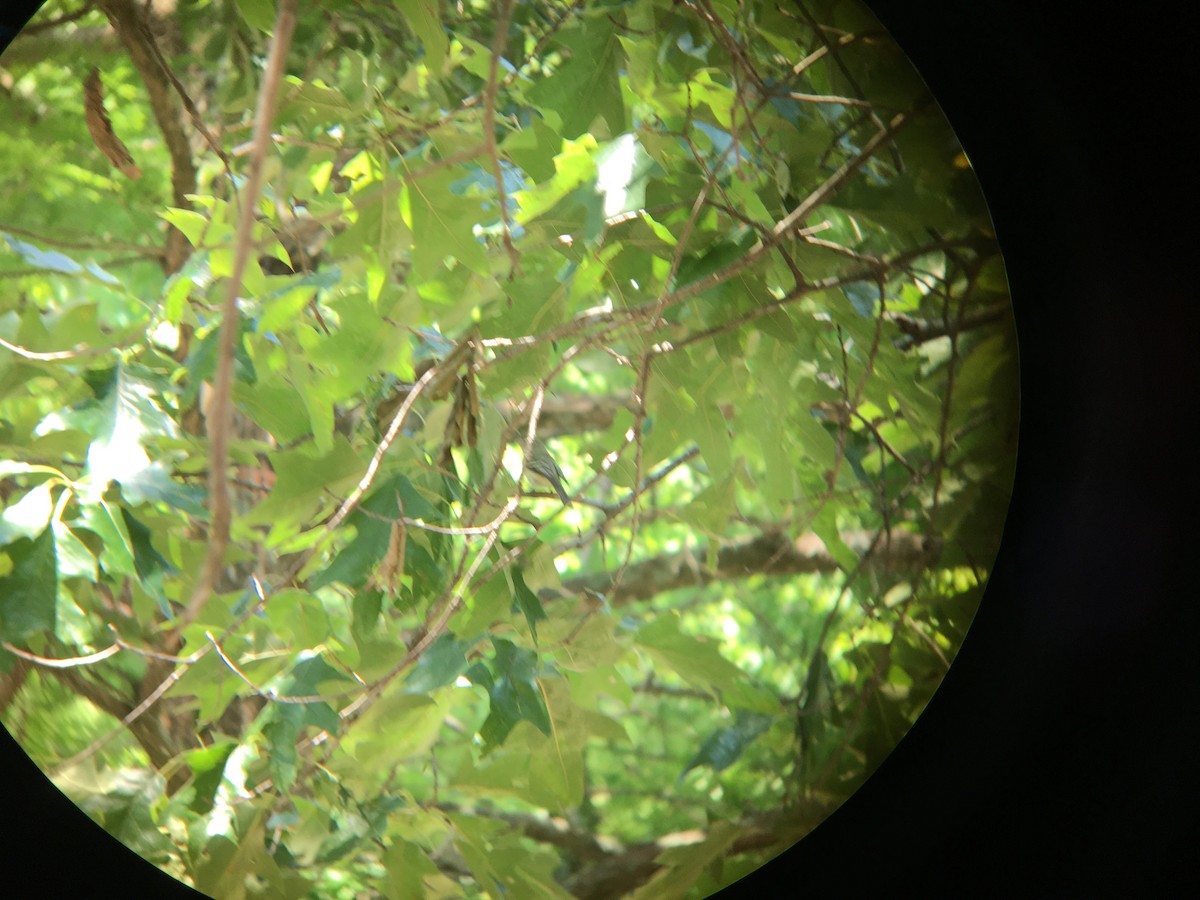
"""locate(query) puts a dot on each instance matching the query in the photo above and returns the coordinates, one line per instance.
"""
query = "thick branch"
(146, 731)
(12, 682)
(921, 330)
(127, 19)
(768, 554)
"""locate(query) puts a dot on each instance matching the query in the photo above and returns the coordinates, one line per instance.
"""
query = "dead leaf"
(101, 128)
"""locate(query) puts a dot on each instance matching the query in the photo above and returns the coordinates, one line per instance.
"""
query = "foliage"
(279, 606)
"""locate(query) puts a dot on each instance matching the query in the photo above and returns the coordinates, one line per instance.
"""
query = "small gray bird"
(543, 464)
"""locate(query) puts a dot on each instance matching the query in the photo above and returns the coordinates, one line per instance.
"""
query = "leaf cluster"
(266, 411)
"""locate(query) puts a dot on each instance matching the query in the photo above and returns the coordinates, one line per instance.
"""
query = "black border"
(1056, 758)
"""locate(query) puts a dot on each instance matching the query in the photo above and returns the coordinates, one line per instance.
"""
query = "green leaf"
(194, 274)
(863, 297)
(527, 601)
(314, 99)
(623, 168)
(14, 467)
(660, 231)
(281, 307)
(202, 360)
(276, 407)
(825, 526)
(258, 14)
(123, 420)
(486, 604)
(207, 766)
(713, 507)
(296, 613)
(75, 560)
(365, 610)
(147, 562)
(574, 167)
(29, 516)
(154, 484)
(511, 681)
(683, 866)
(751, 697)
(440, 665)
(123, 802)
(117, 553)
(443, 225)
(225, 865)
(722, 748)
(195, 226)
(534, 148)
(779, 484)
(28, 592)
(373, 524)
(477, 839)
(312, 676)
(993, 275)
(407, 870)
(588, 84)
(282, 723)
(301, 478)
(695, 660)
(400, 726)
(362, 345)
(815, 442)
(536, 301)
(712, 434)
(422, 16)
(721, 254)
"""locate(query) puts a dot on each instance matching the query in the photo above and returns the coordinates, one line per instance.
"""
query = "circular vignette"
(269, 413)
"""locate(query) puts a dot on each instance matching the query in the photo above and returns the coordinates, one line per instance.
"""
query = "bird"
(543, 464)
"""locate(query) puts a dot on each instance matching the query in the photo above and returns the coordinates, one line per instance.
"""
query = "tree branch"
(769, 554)
(127, 18)
(220, 413)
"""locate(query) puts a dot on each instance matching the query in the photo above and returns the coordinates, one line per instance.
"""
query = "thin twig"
(50, 356)
(128, 18)
(850, 79)
(639, 397)
(54, 240)
(270, 693)
(489, 134)
(220, 412)
(611, 512)
(68, 663)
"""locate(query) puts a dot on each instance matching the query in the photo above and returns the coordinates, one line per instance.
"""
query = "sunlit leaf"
(27, 593)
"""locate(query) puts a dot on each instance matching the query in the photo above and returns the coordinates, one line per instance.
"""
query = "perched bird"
(543, 464)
